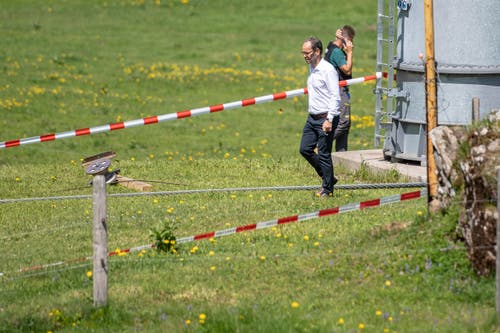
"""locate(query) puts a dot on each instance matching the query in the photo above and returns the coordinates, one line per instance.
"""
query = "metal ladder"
(384, 90)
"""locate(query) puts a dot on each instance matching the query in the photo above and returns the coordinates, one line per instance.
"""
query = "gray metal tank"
(467, 54)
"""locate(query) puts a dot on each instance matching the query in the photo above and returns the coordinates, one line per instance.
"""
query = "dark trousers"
(342, 131)
(312, 137)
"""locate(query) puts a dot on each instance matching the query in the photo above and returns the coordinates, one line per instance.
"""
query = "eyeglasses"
(308, 54)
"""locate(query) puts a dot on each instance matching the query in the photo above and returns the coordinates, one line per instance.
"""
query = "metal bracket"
(98, 164)
(404, 94)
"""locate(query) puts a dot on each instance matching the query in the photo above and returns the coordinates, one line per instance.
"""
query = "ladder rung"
(385, 40)
(385, 16)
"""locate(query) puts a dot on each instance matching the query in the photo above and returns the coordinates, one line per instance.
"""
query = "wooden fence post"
(475, 110)
(100, 241)
(97, 166)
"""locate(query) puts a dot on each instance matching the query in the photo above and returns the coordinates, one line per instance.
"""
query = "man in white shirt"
(324, 110)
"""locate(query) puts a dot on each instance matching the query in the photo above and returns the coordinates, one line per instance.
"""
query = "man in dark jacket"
(339, 54)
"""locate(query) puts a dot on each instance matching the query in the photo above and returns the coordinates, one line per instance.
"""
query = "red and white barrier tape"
(257, 226)
(173, 116)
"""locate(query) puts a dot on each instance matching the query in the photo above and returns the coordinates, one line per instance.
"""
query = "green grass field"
(77, 64)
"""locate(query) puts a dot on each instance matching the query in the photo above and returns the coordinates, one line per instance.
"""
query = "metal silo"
(467, 53)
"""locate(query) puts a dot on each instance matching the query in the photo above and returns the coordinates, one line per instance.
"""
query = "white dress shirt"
(323, 90)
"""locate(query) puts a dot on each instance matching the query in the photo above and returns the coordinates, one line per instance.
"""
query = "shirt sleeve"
(332, 81)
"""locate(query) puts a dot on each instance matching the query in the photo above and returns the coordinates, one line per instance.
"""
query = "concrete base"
(374, 159)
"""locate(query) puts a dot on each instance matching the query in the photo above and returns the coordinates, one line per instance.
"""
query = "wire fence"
(61, 231)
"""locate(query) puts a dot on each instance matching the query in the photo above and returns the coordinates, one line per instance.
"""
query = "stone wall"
(466, 160)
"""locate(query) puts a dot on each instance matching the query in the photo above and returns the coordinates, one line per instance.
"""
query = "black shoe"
(323, 194)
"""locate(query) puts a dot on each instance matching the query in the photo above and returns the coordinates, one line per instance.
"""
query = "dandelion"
(212, 268)
(361, 326)
(89, 274)
(212, 240)
(295, 304)
(228, 258)
(262, 258)
(420, 213)
(306, 238)
(211, 253)
(187, 322)
(155, 201)
(378, 313)
(316, 244)
(18, 179)
(184, 2)
(202, 317)
(170, 210)
(387, 283)
(386, 330)
(340, 321)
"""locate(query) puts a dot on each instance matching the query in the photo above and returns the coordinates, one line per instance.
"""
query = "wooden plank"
(133, 184)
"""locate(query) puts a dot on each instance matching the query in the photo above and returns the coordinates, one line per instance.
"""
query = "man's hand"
(348, 45)
(338, 34)
(327, 126)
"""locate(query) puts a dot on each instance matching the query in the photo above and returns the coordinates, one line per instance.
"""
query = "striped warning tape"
(258, 226)
(173, 116)
(304, 217)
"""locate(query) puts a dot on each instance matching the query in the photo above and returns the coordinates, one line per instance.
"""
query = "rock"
(445, 145)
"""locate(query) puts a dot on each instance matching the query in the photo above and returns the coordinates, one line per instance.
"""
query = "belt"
(318, 116)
